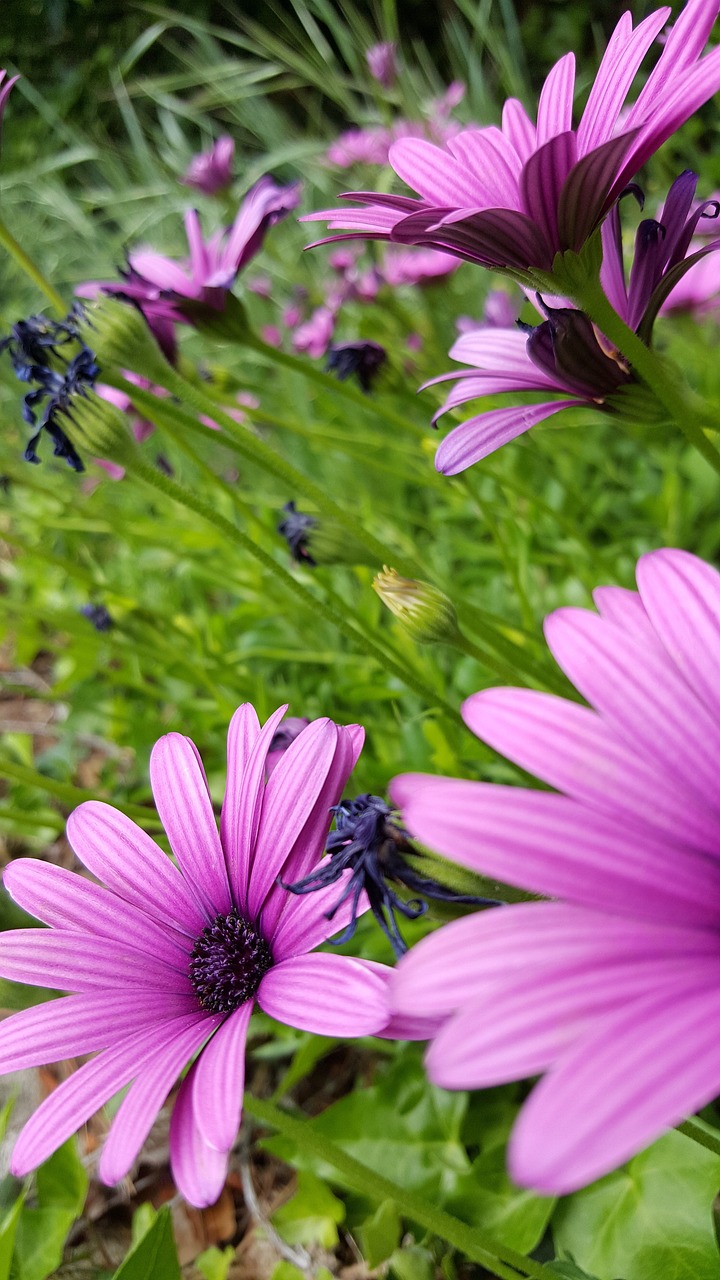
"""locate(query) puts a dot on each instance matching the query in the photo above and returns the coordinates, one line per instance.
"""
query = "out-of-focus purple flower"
(699, 290)
(166, 962)
(360, 146)
(167, 291)
(414, 342)
(566, 355)
(271, 334)
(415, 266)
(287, 732)
(295, 528)
(211, 171)
(499, 312)
(612, 988)
(315, 335)
(514, 197)
(5, 90)
(382, 63)
(98, 615)
(261, 285)
(362, 360)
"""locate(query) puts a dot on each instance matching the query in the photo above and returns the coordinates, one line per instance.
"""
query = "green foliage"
(154, 1254)
(311, 1215)
(41, 1229)
(651, 1218)
(380, 1234)
(214, 1264)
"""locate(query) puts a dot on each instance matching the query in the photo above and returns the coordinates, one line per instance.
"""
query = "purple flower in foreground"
(168, 292)
(513, 197)
(211, 171)
(166, 962)
(612, 988)
(382, 63)
(566, 356)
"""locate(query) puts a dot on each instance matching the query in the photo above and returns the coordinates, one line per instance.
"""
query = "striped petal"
(219, 1080)
(682, 597)
(185, 808)
(328, 995)
(199, 1170)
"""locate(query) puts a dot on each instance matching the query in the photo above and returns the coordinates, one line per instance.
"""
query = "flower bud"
(120, 336)
(315, 540)
(98, 427)
(425, 612)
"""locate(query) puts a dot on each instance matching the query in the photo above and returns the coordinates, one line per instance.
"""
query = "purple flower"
(613, 987)
(167, 291)
(415, 266)
(566, 356)
(211, 171)
(5, 90)
(513, 197)
(360, 146)
(288, 731)
(314, 336)
(382, 63)
(167, 962)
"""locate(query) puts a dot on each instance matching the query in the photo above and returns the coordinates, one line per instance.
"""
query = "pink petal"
(575, 750)
(627, 610)
(475, 439)
(72, 1103)
(137, 1111)
(186, 812)
(402, 1026)
(518, 1030)
(555, 107)
(290, 796)
(161, 271)
(682, 596)
(493, 163)
(248, 809)
(198, 1169)
(78, 962)
(437, 176)
(498, 951)
(519, 128)
(621, 61)
(329, 995)
(81, 1024)
(243, 733)
(65, 900)
(121, 855)
(551, 845)
(219, 1080)
(641, 1071)
(641, 695)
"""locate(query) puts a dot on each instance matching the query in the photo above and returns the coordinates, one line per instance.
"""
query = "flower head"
(513, 197)
(565, 355)
(167, 962)
(98, 615)
(211, 171)
(368, 853)
(612, 988)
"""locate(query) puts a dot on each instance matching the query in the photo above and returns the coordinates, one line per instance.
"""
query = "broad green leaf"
(311, 1215)
(8, 1225)
(62, 1181)
(380, 1235)
(143, 1219)
(651, 1219)
(154, 1256)
(214, 1264)
(566, 1270)
(412, 1264)
(61, 1185)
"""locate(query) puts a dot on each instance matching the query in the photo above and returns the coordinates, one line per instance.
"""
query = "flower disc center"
(228, 962)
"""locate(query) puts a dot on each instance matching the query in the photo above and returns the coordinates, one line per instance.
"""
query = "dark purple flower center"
(228, 962)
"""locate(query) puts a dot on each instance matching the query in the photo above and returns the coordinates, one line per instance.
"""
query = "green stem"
(475, 1245)
(702, 1134)
(229, 531)
(26, 264)
(69, 794)
(667, 384)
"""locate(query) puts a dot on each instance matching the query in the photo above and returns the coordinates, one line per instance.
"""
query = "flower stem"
(683, 406)
(497, 1258)
(68, 794)
(703, 1134)
(170, 488)
(26, 264)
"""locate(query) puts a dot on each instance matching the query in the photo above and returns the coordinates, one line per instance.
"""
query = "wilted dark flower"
(295, 528)
(370, 841)
(98, 615)
(35, 347)
(364, 359)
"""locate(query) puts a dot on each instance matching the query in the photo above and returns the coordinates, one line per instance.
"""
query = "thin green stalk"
(682, 406)
(69, 794)
(229, 531)
(26, 264)
(501, 1260)
(702, 1134)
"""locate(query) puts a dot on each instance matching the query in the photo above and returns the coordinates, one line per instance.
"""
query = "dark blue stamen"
(295, 529)
(370, 842)
(228, 963)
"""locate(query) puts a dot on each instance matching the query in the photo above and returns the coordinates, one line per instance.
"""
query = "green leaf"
(380, 1235)
(311, 1215)
(41, 1231)
(650, 1219)
(8, 1226)
(412, 1264)
(62, 1181)
(214, 1264)
(566, 1270)
(155, 1255)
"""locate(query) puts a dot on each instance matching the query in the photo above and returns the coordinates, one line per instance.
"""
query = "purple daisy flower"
(613, 988)
(382, 63)
(513, 197)
(166, 962)
(211, 171)
(565, 355)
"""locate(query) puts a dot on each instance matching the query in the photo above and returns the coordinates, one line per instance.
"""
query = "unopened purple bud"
(382, 63)
(211, 171)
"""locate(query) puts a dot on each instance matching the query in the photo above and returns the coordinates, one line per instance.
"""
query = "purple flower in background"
(5, 90)
(699, 290)
(415, 266)
(288, 731)
(167, 962)
(295, 528)
(612, 988)
(360, 146)
(314, 336)
(167, 291)
(382, 63)
(513, 197)
(566, 356)
(211, 171)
